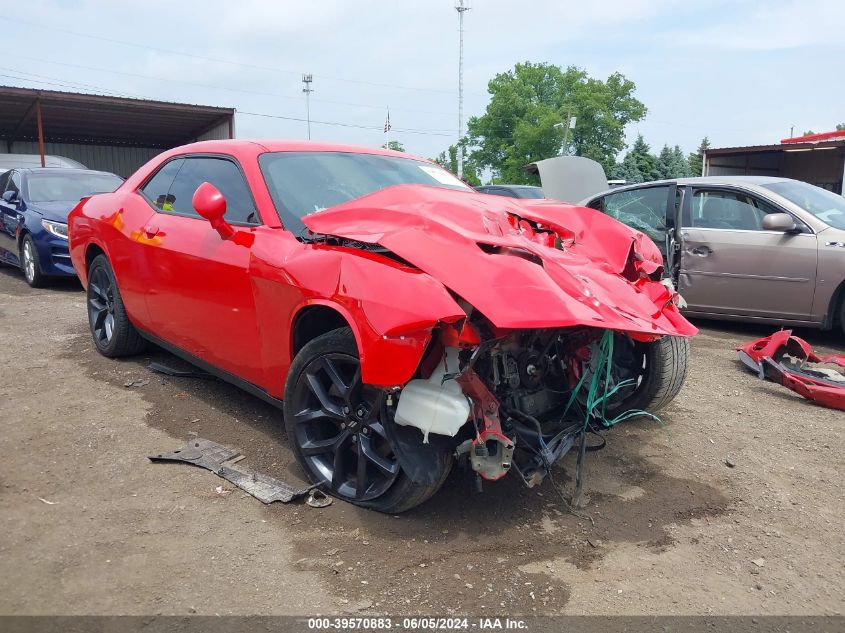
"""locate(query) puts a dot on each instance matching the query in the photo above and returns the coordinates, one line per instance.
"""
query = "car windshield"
(301, 183)
(825, 205)
(68, 186)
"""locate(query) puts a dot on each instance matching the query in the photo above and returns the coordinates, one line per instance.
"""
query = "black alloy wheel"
(336, 429)
(101, 306)
(338, 432)
(113, 333)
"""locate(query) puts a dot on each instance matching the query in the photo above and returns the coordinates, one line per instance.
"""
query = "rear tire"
(114, 335)
(322, 393)
(666, 363)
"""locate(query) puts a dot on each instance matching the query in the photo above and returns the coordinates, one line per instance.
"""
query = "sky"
(739, 72)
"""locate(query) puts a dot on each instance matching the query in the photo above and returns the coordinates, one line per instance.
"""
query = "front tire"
(335, 426)
(662, 368)
(31, 264)
(114, 335)
(842, 315)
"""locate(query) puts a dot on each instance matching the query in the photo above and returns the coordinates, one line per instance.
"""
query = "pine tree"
(680, 164)
(639, 164)
(665, 164)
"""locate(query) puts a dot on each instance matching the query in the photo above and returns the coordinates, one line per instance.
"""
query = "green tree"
(696, 159)
(448, 159)
(671, 163)
(664, 163)
(639, 164)
(394, 145)
(528, 113)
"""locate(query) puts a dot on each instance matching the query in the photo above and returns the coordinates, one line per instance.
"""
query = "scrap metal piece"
(318, 499)
(219, 459)
(770, 358)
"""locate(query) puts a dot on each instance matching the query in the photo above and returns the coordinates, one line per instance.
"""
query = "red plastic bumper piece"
(766, 356)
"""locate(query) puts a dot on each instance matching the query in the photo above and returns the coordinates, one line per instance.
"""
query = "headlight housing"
(59, 229)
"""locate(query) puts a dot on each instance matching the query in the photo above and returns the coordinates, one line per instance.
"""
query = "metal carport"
(816, 158)
(109, 133)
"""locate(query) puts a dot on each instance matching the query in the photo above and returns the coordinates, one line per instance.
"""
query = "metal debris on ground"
(791, 362)
(318, 499)
(220, 459)
(138, 382)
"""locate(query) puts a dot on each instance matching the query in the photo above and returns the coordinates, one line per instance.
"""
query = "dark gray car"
(744, 248)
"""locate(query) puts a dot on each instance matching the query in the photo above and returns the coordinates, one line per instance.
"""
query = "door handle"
(151, 231)
(702, 251)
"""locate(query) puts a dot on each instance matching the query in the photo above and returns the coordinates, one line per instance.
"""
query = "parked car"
(398, 317)
(10, 161)
(33, 217)
(745, 248)
(512, 191)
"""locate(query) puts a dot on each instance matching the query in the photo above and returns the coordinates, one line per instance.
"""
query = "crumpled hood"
(522, 264)
(52, 210)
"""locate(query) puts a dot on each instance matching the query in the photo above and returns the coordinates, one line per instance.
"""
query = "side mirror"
(779, 222)
(210, 204)
(10, 196)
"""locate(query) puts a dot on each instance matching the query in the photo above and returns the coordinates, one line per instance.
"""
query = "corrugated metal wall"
(117, 159)
(218, 133)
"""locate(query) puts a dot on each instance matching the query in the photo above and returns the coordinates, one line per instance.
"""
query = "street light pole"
(461, 8)
(306, 81)
(569, 125)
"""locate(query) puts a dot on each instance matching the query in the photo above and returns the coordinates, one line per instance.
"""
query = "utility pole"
(306, 81)
(461, 8)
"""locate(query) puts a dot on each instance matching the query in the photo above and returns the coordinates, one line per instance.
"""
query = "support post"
(40, 132)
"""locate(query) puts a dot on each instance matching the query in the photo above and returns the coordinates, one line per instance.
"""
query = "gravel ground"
(90, 526)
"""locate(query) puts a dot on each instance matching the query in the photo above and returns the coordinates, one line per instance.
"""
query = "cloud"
(766, 26)
(712, 67)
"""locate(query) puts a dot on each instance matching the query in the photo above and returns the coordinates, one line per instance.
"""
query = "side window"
(727, 210)
(641, 209)
(221, 173)
(158, 187)
(4, 179)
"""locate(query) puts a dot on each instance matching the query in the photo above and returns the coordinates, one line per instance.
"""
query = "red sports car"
(402, 320)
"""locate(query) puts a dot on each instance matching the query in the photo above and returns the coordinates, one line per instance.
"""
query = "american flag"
(387, 126)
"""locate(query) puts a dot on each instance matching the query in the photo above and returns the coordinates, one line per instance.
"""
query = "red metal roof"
(815, 138)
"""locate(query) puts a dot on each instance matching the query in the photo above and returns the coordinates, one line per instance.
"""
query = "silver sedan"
(745, 248)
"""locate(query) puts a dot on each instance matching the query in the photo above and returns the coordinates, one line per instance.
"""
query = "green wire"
(595, 400)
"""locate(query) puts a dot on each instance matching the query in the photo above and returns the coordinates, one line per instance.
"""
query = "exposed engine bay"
(517, 400)
(512, 332)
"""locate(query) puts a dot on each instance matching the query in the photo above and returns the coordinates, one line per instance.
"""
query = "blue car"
(33, 217)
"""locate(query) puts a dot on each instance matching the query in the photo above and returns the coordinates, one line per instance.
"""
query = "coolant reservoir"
(431, 406)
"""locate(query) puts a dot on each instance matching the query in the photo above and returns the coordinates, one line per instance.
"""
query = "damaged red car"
(403, 321)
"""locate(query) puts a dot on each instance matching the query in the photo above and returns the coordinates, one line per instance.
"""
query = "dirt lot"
(91, 527)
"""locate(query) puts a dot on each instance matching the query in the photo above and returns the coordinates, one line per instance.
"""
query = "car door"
(199, 294)
(730, 265)
(643, 209)
(10, 217)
